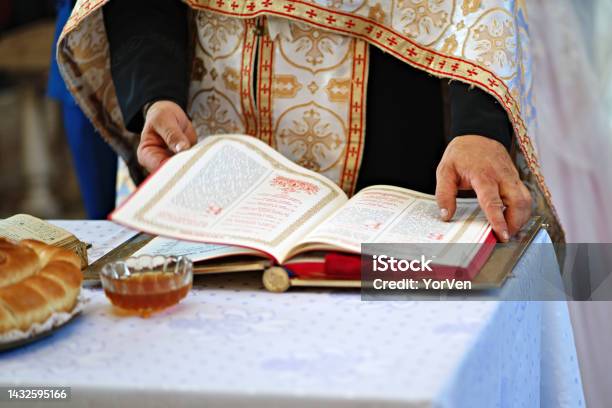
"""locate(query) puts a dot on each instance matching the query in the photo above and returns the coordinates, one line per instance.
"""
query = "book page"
(386, 214)
(233, 190)
(105, 235)
(193, 250)
(23, 226)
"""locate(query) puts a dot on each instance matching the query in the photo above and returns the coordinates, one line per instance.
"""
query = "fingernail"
(444, 213)
(180, 147)
(505, 236)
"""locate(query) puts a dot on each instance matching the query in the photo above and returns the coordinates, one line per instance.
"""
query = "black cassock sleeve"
(475, 112)
(148, 51)
(405, 123)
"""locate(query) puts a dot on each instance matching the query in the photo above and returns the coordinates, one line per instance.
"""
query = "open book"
(24, 226)
(239, 193)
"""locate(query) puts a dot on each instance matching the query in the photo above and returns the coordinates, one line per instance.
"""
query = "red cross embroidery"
(442, 64)
(220, 3)
(493, 83)
(350, 24)
(359, 59)
(311, 13)
(353, 151)
(429, 60)
(358, 83)
(455, 66)
(412, 52)
(266, 3)
(265, 89)
(356, 128)
(330, 20)
(251, 6)
(379, 34)
(234, 5)
(472, 72)
(508, 99)
(369, 29)
(266, 66)
(356, 106)
(289, 8)
(391, 40)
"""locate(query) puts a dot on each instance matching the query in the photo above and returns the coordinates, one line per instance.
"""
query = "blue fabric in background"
(94, 160)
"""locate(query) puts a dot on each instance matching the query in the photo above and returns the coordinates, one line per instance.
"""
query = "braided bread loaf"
(36, 280)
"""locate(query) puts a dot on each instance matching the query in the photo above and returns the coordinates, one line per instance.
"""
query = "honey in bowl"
(147, 284)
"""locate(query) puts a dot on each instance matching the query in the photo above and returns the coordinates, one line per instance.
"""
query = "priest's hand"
(483, 165)
(167, 130)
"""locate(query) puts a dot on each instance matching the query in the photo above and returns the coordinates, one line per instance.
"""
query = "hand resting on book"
(484, 165)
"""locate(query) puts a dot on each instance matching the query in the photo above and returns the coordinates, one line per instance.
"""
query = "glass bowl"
(146, 284)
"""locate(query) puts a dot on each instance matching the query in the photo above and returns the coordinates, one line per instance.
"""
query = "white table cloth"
(231, 343)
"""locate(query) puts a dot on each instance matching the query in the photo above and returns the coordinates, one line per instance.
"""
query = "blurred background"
(36, 169)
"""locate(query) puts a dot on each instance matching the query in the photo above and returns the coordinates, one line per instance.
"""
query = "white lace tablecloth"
(231, 343)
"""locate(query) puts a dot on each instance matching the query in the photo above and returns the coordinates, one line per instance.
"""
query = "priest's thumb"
(171, 124)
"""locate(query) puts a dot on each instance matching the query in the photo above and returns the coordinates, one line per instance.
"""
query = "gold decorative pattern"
(470, 6)
(218, 96)
(218, 35)
(264, 89)
(377, 13)
(357, 103)
(450, 44)
(285, 86)
(214, 114)
(338, 90)
(313, 87)
(491, 42)
(312, 114)
(231, 79)
(312, 137)
(247, 99)
(314, 49)
(423, 20)
(352, 5)
(198, 70)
